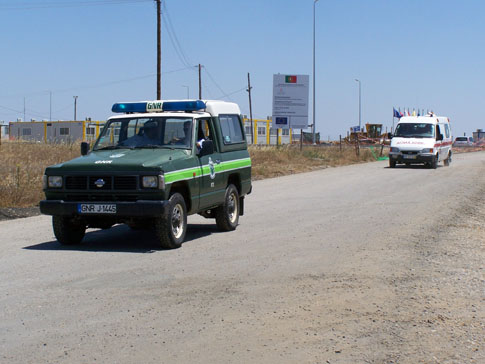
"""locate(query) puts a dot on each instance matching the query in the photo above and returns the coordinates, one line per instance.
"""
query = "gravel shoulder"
(9, 213)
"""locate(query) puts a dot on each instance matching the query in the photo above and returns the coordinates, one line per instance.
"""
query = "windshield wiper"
(111, 147)
(153, 146)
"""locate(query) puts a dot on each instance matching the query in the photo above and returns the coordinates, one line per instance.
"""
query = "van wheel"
(170, 230)
(434, 162)
(447, 161)
(392, 164)
(227, 215)
(68, 231)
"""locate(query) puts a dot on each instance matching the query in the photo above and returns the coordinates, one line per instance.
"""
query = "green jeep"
(151, 167)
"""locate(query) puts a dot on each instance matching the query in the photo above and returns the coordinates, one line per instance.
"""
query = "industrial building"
(55, 131)
(264, 134)
(71, 131)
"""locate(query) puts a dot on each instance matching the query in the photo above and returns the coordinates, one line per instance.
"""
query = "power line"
(217, 85)
(109, 83)
(173, 37)
(65, 4)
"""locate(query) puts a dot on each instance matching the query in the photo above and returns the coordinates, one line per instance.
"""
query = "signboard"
(355, 129)
(290, 101)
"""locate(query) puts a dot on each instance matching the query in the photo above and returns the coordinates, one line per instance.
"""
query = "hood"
(123, 160)
(412, 143)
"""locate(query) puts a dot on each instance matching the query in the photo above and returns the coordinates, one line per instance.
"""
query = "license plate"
(92, 208)
(409, 156)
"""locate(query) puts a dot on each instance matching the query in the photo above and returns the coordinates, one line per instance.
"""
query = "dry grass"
(270, 161)
(22, 165)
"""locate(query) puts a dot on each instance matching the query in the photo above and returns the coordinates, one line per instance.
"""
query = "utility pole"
(75, 106)
(360, 107)
(250, 109)
(200, 83)
(159, 50)
(24, 108)
(313, 131)
(50, 105)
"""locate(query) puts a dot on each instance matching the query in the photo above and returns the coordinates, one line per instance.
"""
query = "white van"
(421, 140)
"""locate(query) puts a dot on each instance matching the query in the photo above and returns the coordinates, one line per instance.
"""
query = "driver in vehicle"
(148, 135)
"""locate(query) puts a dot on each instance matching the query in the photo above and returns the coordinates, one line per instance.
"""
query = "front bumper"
(411, 158)
(141, 208)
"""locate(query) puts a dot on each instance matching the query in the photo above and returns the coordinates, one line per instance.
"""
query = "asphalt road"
(331, 266)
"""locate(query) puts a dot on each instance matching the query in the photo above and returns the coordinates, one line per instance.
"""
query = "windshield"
(414, 130)
(149, 132)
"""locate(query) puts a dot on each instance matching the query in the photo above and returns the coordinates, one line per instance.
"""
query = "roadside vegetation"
(22, 164)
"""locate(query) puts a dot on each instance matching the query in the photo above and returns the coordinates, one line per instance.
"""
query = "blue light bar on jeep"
(157, 106)
(130, 107)
(183, 105)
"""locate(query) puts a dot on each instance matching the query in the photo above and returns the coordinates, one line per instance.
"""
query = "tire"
(447, 161)
(67, 231)
(170, 230)
(392, 164)
(227, 215)
(434, 162)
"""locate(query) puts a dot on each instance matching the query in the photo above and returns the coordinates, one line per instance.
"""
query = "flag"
(414, 112)
(290, 79)
(395, 113)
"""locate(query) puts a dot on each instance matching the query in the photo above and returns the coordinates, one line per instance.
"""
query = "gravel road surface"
(358, 264)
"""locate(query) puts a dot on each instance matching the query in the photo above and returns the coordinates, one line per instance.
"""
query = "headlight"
(54, 181)
(427, 150)
(150, 181)
(153, 182)
(394, 150)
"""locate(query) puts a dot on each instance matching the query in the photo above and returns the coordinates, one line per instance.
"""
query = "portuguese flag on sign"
(290, 79)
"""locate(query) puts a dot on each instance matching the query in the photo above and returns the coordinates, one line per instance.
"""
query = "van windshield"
(149, 132)
(414, 130)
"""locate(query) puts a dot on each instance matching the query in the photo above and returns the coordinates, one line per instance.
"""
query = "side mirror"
(84, 148)
(440, 137)
(389, 135)
(207, 148)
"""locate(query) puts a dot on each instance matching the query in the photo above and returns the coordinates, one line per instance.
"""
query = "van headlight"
(54, 181)
(427, 150)
(153, 181)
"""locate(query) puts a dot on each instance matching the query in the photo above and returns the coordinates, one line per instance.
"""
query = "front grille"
(125, 183)
(111, 183)
(410, 152)
(106, 183)
(76, 182)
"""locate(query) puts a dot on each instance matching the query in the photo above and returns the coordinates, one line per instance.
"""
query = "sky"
(413, 54)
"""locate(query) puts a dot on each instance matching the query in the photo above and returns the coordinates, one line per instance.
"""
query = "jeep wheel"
(392, 163)
(227, 215)
(170, 230)
(434, 162)
(67, 231)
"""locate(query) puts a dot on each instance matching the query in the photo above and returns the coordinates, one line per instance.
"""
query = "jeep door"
(212, 186)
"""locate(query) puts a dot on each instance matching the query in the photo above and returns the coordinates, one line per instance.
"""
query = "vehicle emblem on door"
(212, 168)
(99, 183)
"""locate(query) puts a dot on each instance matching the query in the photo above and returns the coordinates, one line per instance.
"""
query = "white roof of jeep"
(216, 107)
(212, 107)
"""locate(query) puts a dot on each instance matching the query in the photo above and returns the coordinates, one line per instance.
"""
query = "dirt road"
(358, 264)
